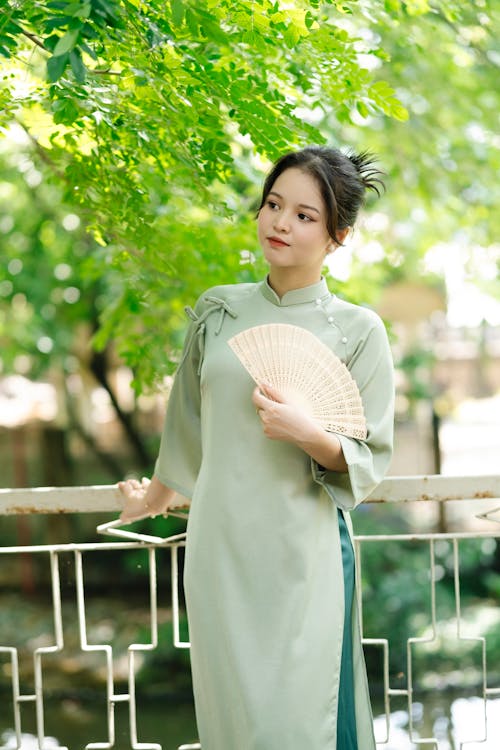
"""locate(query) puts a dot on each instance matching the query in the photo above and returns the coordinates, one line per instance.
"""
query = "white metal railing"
(484, 490)
(107, 498)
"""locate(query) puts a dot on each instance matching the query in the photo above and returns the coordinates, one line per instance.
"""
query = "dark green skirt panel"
(346, 717)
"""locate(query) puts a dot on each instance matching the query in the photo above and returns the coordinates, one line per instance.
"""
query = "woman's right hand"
(145, 499)
(136, 506)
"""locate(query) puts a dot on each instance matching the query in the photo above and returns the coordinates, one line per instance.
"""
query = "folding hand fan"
(306, 372)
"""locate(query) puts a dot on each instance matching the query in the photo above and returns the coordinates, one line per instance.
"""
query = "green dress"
(263, 573)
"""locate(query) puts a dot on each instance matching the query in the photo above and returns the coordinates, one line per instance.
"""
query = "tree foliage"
(152, 120)
(444, 160)
(146, 116)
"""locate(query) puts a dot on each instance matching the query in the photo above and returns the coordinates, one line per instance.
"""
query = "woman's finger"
(272, 393)
(258, 399)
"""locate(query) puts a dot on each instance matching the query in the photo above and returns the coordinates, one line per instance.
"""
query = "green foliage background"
(154, 121)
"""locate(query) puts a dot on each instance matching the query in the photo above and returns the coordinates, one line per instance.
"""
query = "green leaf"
(56, 67)
(56, 22)
(398, 111)
(362, 109)
(309, 20)
(108, 11)
(66, 112)
(67, 42)
(90, 52)
(79, 9)
(77, 66)
(392, 6)
(178, 11)
(291, 35)
(417, 7)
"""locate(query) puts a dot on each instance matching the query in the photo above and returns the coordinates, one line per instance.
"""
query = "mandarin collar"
(313, 293)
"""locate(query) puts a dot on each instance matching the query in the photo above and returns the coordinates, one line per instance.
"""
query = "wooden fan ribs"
(307, 373)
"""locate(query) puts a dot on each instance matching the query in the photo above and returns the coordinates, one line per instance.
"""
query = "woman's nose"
(281, 222)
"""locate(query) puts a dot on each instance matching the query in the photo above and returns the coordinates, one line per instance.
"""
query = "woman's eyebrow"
(301, 205)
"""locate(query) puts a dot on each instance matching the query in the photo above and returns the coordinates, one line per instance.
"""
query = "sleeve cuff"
(179, 488)
(347, 489)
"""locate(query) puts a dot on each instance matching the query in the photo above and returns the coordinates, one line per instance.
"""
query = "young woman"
(269, 573)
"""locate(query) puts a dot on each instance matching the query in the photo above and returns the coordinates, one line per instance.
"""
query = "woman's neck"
(283, 282)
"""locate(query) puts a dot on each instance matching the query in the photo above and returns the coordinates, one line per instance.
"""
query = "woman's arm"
(144, 499)
(282, 421)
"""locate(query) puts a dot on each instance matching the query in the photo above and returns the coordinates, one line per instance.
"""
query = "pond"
(75, 722)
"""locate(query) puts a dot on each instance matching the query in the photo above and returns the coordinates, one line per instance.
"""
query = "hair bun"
(369, 174)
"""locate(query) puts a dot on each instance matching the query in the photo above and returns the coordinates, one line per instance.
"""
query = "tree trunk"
(98, 367)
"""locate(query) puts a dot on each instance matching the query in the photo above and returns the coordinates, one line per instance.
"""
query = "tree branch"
(35, 40)
(106, 72)
(42, 152)
(100, 72)
(106, 459)
(98, 367)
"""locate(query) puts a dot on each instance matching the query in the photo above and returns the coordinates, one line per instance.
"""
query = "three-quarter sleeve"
(179, 457)
(367, 460)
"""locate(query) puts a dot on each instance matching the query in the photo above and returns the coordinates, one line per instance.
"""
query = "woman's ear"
(341, 235)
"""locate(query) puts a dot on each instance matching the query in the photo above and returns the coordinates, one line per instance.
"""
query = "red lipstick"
(277, 242)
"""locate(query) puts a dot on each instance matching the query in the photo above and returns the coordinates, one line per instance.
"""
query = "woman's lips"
(277, 242)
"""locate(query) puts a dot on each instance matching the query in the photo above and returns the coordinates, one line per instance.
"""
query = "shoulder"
(362, 328)
(230, 294)
(355, 315)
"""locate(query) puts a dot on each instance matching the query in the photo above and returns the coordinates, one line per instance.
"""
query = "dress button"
(330, 319)
(344, 340)
(318, 301)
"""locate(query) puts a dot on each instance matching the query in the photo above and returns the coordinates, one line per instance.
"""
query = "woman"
(269, 573)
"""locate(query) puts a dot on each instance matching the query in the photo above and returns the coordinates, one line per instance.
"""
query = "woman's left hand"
(281, 420)
(284, 421)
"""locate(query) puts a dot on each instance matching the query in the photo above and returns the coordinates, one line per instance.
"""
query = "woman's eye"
(304, 217)
(272, 205)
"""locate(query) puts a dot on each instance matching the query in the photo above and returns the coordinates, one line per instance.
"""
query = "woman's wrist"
(158, 496)
(325, 448)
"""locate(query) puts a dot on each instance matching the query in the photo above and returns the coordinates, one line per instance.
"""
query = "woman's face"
(292, 224)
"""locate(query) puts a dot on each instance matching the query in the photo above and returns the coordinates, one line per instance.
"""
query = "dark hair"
(342, 179)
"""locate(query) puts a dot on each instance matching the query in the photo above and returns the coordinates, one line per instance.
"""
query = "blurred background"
(134, 141)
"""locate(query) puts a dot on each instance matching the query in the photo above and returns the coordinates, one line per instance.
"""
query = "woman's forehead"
(298, 186)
